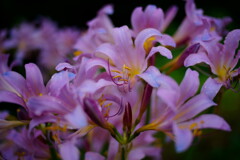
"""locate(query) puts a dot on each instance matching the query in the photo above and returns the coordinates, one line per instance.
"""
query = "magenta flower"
(126, 60)
(221, 58)
(152, 17)
(195, 23)
(177, 107)
(99, 32)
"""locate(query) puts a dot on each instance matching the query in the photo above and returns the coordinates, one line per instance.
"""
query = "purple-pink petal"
(209, 121)
(46, 104)
(151, 75)
(211, 87)
(193, 107)
(34, 79)
(189, 85)
(183, 138)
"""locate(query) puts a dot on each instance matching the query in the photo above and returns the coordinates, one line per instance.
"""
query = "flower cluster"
(108, 98)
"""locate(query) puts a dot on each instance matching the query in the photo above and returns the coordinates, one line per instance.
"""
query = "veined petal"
(189, 85)
(124, 44)
(13, 82)
(94, 156)
(211, 87)
(151, 75)
(6, 96)
(34, 79)
(231, 44)
(193, 59)
(208, 121)
(108, 50)
(193, 107)
(137, 19)
(183, 138)
(42, 104)
(169, 96)
(154, 17)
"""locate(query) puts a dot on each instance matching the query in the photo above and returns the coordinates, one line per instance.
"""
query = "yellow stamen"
(193, 125)
(107, 105)
(125, 80)
(126, 67)
(77, 53)
(40, 94)
(117, 76)
(148, 44)
(116, 71)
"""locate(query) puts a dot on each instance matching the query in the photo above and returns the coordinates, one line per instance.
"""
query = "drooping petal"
(34, 79)
(46, 104)
(193, 107)
(183, 138)
(39, 120)
(94, 156)
(196, 58)
(208, 121)
(211, 87)
(151, 75)
(189, 85)
(58, 81)
(124, 44)
(6, 96)
(13, 82)
(162, 50)
(108, 50)
(63, 66)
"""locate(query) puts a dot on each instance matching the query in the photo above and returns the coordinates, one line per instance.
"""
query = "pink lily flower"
(126, 61)
(221, 58)
(176, 107)
(151, 17)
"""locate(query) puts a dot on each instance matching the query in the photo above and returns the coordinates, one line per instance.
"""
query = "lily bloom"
(175, 109)
(99, 32)
(196, 22)
(126, 61)
(221, 58)
(151, 17)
